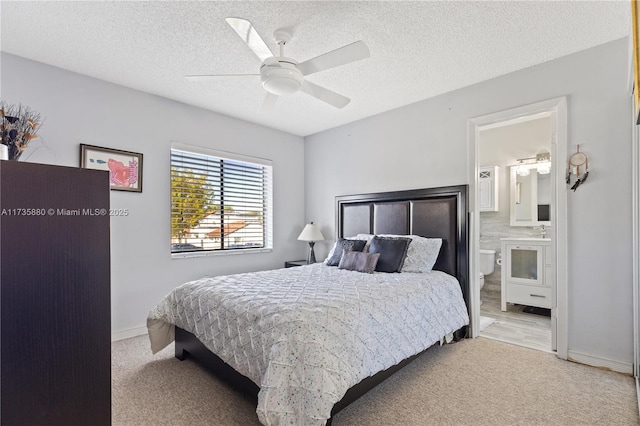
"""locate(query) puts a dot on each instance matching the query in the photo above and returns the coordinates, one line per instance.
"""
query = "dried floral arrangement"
(18, 126)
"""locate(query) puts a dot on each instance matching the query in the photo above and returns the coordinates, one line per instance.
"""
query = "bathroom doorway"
(518, 235)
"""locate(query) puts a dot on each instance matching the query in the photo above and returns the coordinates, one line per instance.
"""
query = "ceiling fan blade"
(217, 76)
(344, 55)
(248, 33)
(269, 103)
(326, 95)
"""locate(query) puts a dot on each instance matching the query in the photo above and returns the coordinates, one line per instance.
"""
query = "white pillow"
(422, 254)
(364, 237)
(367, 238)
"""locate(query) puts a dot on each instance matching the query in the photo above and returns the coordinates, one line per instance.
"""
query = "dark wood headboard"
(432, 212)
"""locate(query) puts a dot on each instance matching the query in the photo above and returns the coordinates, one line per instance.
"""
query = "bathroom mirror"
(530, 201)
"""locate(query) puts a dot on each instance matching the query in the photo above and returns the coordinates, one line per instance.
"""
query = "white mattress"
(305, 335)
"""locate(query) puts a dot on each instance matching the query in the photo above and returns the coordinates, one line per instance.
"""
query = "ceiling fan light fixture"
(281, 76)
(281, 86)
(282, 79)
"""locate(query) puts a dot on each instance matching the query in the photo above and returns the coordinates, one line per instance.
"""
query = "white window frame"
(268, 194)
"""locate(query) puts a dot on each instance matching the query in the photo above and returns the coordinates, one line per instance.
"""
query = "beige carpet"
(473, 382)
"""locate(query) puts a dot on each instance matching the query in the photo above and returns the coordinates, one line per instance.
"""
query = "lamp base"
(312, 256)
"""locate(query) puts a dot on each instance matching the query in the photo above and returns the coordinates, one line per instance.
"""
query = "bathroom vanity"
(526, 272)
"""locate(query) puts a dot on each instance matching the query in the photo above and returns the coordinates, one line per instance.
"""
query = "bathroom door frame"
(556, 109)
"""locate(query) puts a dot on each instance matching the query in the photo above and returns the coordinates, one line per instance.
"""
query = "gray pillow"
(359, 261)
(393, 251)
(422, 254)
(344, 245)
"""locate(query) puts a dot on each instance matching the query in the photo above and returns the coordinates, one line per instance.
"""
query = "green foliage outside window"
(192, 201)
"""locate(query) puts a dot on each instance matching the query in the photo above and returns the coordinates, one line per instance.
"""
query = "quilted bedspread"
(305, 335)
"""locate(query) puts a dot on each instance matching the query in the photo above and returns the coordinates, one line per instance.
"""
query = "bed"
(306, 346)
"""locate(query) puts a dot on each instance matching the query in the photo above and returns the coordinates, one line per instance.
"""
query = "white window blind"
(219, 201)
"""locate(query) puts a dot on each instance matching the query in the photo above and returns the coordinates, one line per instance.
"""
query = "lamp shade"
(311, 233)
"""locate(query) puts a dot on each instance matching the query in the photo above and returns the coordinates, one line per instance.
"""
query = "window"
(219, 201)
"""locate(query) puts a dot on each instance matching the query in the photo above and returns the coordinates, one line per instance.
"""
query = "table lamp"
(311, 233)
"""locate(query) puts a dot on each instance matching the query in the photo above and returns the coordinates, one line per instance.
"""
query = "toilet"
(487, 262)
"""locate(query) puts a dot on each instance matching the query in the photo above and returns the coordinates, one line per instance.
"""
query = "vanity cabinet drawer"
(529, 295)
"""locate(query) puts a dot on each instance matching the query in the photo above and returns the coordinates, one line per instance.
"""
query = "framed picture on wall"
(124, 167)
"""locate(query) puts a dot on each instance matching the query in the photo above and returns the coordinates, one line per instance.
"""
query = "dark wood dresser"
(55, 314)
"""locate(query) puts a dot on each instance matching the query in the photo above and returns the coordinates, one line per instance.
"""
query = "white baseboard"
(125, 334)
(638, 392)
(594, 361)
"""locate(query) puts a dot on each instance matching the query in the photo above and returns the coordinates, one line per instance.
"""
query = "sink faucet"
(543, 231)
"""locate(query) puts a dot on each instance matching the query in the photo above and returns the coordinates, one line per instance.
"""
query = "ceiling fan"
(282, 76)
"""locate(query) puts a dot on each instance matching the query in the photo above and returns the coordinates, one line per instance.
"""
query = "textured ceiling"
(418, 49)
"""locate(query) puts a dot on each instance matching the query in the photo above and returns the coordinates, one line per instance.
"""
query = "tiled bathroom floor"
(514, 326)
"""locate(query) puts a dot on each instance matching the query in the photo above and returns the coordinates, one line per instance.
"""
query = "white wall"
(80, 109)
(425, 144)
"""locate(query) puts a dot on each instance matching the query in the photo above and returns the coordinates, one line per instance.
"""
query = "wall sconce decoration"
(578, 165)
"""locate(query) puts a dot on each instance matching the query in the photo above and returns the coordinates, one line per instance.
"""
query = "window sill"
(219, 253)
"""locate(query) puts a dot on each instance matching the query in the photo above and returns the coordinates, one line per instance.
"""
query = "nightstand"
(292, 263)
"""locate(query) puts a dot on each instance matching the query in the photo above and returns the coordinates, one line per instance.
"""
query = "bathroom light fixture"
(541, 163)
(544, 163)
(521, 170)
(311, 233)
(543, 157)
(544, 168)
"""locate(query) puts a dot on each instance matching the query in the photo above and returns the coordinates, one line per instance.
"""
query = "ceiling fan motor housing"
(281, 77)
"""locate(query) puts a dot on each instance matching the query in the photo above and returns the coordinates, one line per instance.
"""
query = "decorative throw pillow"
(364, 237)
(422, 254)
(392, 252)
(359, 261)
(367, 238)
(344, 245)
